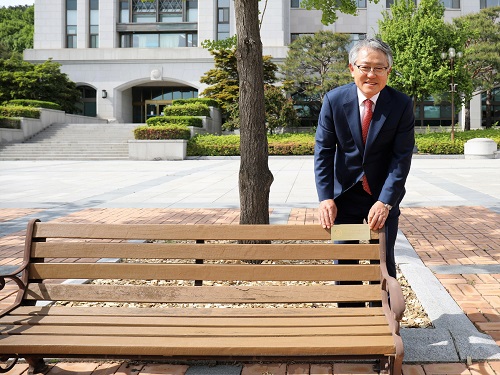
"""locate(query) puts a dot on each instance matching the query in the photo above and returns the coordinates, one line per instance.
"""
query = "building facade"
(130, 58)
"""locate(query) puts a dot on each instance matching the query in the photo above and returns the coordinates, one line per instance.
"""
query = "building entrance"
(155, 107)
(149, 101)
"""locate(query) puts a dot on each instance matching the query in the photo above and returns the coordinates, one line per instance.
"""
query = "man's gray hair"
(371, 43)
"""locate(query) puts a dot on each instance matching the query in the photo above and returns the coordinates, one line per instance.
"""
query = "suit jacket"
(341, 158)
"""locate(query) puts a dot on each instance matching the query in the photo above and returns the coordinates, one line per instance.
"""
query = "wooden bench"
(284, 309)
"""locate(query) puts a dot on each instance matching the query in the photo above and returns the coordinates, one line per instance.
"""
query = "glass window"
(71, 23)
(432, 111)
(295, 4)
(94, 24)
(489, 3)
(167, 94)
(451, 4)
(144, 11)
(361, 3)
(124, 11)
(192, 11)
(126, 41)
(145, 41)
(171, 17)
(171, 40)
(170, 10)
(157, 93)
(223, 17)
(177, 94)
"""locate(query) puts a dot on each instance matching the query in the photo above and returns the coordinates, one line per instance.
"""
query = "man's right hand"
(327, 212)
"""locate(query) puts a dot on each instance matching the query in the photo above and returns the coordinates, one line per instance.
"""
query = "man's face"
(372, 82)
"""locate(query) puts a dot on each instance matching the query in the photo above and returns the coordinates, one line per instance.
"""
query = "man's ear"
(351, 68)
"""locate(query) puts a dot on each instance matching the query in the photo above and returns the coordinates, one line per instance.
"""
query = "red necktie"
(365, 125)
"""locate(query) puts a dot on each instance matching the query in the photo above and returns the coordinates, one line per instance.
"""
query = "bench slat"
(204, 294)
(256, 312)
(183, 232)
(198, 346)
(204, 251)
(183, 331)
(262, 322)
(243, 272)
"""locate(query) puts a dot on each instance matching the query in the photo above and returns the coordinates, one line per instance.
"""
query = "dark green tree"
(418, 36)
(279, 111)
(22, 80)
(481, 56)
(17, 27)
(329, 8)
(223, 79)
(316, 64)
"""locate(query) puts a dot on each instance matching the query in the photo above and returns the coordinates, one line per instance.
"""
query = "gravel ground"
(414, 316)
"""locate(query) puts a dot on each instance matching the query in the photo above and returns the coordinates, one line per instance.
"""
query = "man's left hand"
(378, 215)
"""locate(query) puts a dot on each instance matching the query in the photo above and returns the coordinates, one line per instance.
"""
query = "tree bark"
(467, 115)
(255, 178)
(489, 99)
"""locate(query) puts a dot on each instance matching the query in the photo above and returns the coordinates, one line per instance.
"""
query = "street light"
(451, 55)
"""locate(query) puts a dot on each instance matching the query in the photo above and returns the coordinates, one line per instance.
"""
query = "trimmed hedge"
(303, 143)
(208, 101)
(214, 145)
(180, 120)
(33, 103)
(229, 145)
(441, 144)
(291, 144)
(193, 109)
(10, 123)
(19, 111)
(172, 131)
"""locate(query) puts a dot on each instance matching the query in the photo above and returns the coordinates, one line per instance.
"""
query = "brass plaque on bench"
(348, 232)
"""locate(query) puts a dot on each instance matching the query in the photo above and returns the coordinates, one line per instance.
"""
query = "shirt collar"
(362, 98)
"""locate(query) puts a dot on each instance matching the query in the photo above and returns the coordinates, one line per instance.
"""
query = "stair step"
(74, 142)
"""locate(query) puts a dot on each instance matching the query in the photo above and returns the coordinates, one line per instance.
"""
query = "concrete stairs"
(73, 142)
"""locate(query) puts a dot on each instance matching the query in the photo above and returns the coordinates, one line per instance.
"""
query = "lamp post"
(451, 55)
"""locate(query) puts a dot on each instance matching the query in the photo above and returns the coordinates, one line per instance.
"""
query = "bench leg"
(37, 365)
(396, 365)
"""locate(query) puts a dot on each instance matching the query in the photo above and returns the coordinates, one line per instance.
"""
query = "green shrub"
(180, 120)
(19, 111)
(214, 145)
(441, 144)
(172, 131)
(207, 101)
(229, 145)
(291, 144)
(10, 123)
(194, 109)
(34, 103)
(303, 143)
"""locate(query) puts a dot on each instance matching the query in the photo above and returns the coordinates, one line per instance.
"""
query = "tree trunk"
(255, 178)
(467, 115)
(489, 98)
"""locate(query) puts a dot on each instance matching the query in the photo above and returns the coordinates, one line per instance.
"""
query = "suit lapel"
(382, 110)
(351, 110)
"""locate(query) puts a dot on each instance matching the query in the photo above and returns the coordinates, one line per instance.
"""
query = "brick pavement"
(442, 236)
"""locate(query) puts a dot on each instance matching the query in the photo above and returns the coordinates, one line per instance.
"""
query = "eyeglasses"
(378, 70)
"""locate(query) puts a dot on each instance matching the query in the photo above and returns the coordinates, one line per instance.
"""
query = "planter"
(480, 148)
(164, 149)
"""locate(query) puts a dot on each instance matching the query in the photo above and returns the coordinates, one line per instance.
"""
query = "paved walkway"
(448, 248)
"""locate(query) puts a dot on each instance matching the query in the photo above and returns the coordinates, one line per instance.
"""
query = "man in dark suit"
(363, 149)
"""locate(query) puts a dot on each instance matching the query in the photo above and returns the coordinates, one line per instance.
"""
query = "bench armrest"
(12, 272)
(395, 298)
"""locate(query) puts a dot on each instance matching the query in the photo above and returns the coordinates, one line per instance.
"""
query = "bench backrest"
(196, 264)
